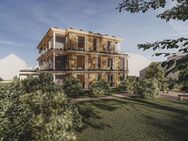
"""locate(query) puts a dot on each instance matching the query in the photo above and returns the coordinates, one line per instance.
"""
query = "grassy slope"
(134, 120)
(3, 84)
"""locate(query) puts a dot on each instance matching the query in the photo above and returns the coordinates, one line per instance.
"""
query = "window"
(80, 62)
(60, 41)
(81, 42)
(111, 79)
(59, 78)
(122, 76)
(109, 46)
(60, 62)
(99, 77)
(110, 63)
(94, 44)
(122, 64)
(99, 62)
(82, 80)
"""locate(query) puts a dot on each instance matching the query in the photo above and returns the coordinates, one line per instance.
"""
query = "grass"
(3, 84)
(134, 119)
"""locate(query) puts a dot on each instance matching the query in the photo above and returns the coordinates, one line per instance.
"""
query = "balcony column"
(53, 61)
(85, 46)
(54, 77)
(125, 64)
(54, 53)
(86, 81)
(86, 62)
(53, 39)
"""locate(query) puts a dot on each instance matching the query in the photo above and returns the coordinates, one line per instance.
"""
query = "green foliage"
(129, 84)
(36, 114)
(155, 71)
(100, 87)
(148, 88)
(72, 86)
(43, 82)
(30, 84)
(183, 79)
(178, 11)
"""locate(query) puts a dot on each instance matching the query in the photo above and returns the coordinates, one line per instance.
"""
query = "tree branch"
(178, 12)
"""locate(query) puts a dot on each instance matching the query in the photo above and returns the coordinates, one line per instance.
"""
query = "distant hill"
(10, 66)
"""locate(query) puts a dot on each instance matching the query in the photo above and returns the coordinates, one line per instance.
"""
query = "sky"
(23, 23)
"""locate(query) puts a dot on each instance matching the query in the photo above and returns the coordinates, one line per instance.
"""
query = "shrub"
(72, 86)
(129, 84)
(148, 88)
(44, 82)
(30, 84)
(100, 87)
(37, 115)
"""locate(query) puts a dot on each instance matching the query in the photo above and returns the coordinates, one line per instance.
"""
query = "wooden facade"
(85, 55)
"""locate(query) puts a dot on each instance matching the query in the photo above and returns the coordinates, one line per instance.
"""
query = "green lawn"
(134, 120)
(3, 84)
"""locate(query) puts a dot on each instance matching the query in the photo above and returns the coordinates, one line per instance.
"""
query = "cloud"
(10, 43)
(180, 27)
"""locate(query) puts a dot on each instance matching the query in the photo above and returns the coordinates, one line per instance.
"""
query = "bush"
(72, 86)
(129, 84)
(100, 87)
(44, 82)
(148, 88)
(37, 115)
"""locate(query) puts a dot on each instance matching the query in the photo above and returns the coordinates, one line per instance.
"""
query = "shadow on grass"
(177, 126)
(91, 116)
(158, 106)
(174, 126)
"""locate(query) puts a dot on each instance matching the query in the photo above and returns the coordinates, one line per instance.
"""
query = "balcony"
(46, 66)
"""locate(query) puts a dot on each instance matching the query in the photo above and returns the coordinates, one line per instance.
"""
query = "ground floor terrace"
(87, 78)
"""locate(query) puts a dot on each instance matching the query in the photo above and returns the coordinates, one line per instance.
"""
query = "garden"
(40, 109)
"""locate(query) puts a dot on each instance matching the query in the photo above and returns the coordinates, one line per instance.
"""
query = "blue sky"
(23, 23)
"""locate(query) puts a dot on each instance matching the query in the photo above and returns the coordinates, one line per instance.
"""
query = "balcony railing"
(83, 69)
(80, 49)
(46, 66)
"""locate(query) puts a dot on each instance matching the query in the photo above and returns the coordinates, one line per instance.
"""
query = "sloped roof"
(10, 66)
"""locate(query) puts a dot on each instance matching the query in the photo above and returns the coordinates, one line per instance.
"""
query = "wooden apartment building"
(86, 56)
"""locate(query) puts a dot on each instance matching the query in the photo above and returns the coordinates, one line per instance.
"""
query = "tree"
(148, 88)
(156, 71)
(39, 115)
(177, 12)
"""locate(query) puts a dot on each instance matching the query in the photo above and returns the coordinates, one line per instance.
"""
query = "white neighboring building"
(136, 63)
(10, 66)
